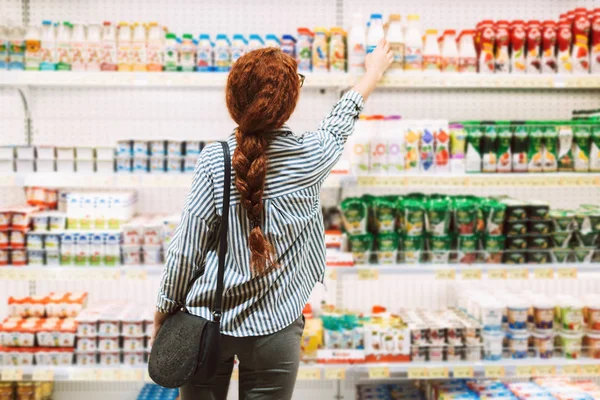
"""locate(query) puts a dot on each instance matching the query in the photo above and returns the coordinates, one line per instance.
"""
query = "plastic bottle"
(139, 55)
(413, 48)
(304, 49)
(272, 40)
(63, 47)
(396, 40)
(187, 53)
(124, 47)
(431, 52)
(222, 53)
(204, 54)
(3, 47)
(467, 59)
(16, 51)
(78, 46)
(337, 50)
(93, 47)
(255, 42)
(171, 53)
(238, 47)
(450, 54)
(154, 47)
(320, 51)
(375, 32)
(108, 53)
(356, 45)
(288, 45)
(32, 49)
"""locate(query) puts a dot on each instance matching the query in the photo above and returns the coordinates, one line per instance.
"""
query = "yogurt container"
(158, 148)
(133, 343)
(133, 357)
(571, 344)
(492, 345)
(108, 343)
(593, 314)
(35, 257)
(543, 315)
(52, 242)
(85, 358)
(108, 327)
(543, 344)
(491, 314)
(17, 239)
(87, 344)
(109, 358)
(157, 164)
(40, 222)
(517, 311)
(571, 315)
(592, 344)
(517, 344)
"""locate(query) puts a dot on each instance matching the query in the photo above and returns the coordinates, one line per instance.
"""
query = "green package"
(561, 255)
(550, 159)
(494, 214)
(438, 216)
(561, 239)
(439, 247)
(489, 149)
(494, 247)
(387, 248)
(584, 254)
(595, 149)
(465, 216)
(473, 153)
(504, 155)
(535, 152)
(520, 147)
(581, 148)
(467, 249)
(384, 214)
(361, 247)
(565, 147)
(413, 217)
(413, 249)
(563, 220)
(354, 215)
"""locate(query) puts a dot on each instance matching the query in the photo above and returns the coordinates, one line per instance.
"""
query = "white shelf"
(324, 80)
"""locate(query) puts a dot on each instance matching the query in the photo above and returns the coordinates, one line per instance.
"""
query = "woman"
(276, 235)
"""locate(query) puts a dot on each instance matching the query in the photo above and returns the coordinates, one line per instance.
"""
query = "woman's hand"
(159, 320)
(376, 63)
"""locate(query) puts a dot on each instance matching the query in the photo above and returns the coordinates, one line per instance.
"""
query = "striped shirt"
(292, 221)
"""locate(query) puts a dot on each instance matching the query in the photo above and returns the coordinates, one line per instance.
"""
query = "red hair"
(262, 91)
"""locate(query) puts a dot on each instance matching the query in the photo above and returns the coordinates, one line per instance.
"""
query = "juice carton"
(581, 51)
(442, 147)
(427, 153)
(412, 136)
(361, 148)
(379, 149)
(550, 154)
(473, 153)
(565, 148)
(517, 41)
(536, 149)
(534, 40)
(595, 149)
(394, 136)
(458, 142)
(581, 148)
(489, 149)
(504, 155)
(564, 38)
(520, 145)
(549, 65)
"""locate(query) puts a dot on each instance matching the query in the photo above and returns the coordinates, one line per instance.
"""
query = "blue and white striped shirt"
(292, 221)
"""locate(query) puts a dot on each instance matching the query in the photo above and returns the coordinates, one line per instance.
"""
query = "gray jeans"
(268, 367)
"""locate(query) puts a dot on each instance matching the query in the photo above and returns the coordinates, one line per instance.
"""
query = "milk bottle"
(238, 47)
(396, 40)
(272, 41)
(187, 52)
(124, 47)
(154, 47)
(93, 47)
(222, 54)
(16, 50)
(413, 49)
(204, 54)
(375, 32)
(78, 47)
(63, 47)
(361, 149)
(255, 42)
(108, 52)
(356, 46)
(32, 49)
(139, 55)
(171, 53)
(431, 52)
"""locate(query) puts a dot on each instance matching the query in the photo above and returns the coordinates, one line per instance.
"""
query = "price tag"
(445, 274)
(368, 274)
(544, 370)
(131, 375)
(137, 274)
(590, 370)
(379, 373)
(567, 273)
(42, 375)
(497, 273)
(437, 373)
(108, 375)
(494, 371)
(331, 274)
(463, 372)
(471, 274)
(417, 373)
(12, 374)
(518, 273)
(309, 374)
(82, 375)
(571, 370)
(524, 371)
(544, 273)
(235, 374)
(335, 374)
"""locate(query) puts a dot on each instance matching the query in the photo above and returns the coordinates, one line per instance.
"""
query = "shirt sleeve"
(336, 128)
(187, 250)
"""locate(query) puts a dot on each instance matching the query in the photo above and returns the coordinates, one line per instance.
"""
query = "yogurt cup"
(40, 222)
(543, 315)
(57, 221)
(517, 344)
(436, 353)
(5, 219)
(543, 344)
(133, 357)
(593, 315)
(517, 312)
(491, 315)
(158, 148)
(492, 345)
(592, 344)
(85, 358)
(35, 257)
(35, 241)
(473, 353)
(571, 315)
(109, 358)
(571, 344)
(133, 343)
(131, 255)
(108, 343)
(87, 344)
(4, 239)
(17, 239)
(157, 163)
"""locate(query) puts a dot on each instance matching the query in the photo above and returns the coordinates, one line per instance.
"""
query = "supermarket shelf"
(86, 273)
(555, 179)
(429, 370)
(325, 80)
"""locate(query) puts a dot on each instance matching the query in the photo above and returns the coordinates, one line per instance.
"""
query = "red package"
(595, 44)
(581, 32)
(502, 45)
(564, 38)
(549, 47)
(517, 44)
(487, 37)
(534, 41)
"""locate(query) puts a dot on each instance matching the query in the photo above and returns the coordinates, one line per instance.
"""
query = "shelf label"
(331, 274)
(309, 374)
(417, 373)
(379, 372)
(544, 370)
(335, 374)
(82, 375)
(471, 274)
(445, 274)
(567, 273)
(518, 273)
(12, 374)
(42, 375)
(543, 273)
(137, 274)
(108, 375)
(590, 370)
(463, 372)
(524, 371)
(131, 375)
(235, 374)
(571, 370)
(494, 371)
(497, 273)
(368, 274)
(437, 373)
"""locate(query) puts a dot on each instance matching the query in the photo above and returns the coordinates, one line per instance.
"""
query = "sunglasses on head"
(302, 77)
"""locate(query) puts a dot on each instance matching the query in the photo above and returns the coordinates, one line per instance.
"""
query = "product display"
(152, 392)
(26, 390)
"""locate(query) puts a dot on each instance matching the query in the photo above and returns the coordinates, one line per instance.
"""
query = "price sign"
(518, 273)
(137, 274)
(463, 372)
(590, 370)
(567, 273)
(494, 371)
(445, 274)
(12, 374)
(379, 373)
(42, 375)
(131, 375)
(235, 374)
(417, 373)
(437, 373)
(544, 273)
(524, 371)
(108, 375)
(497, 273)
(368, 274)
(571, 370)
(335, 374)
(83, 375)
(309, 374)
(544, 370)
(471, 274)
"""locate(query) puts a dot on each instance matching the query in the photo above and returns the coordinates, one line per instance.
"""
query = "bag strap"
(217, 310)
